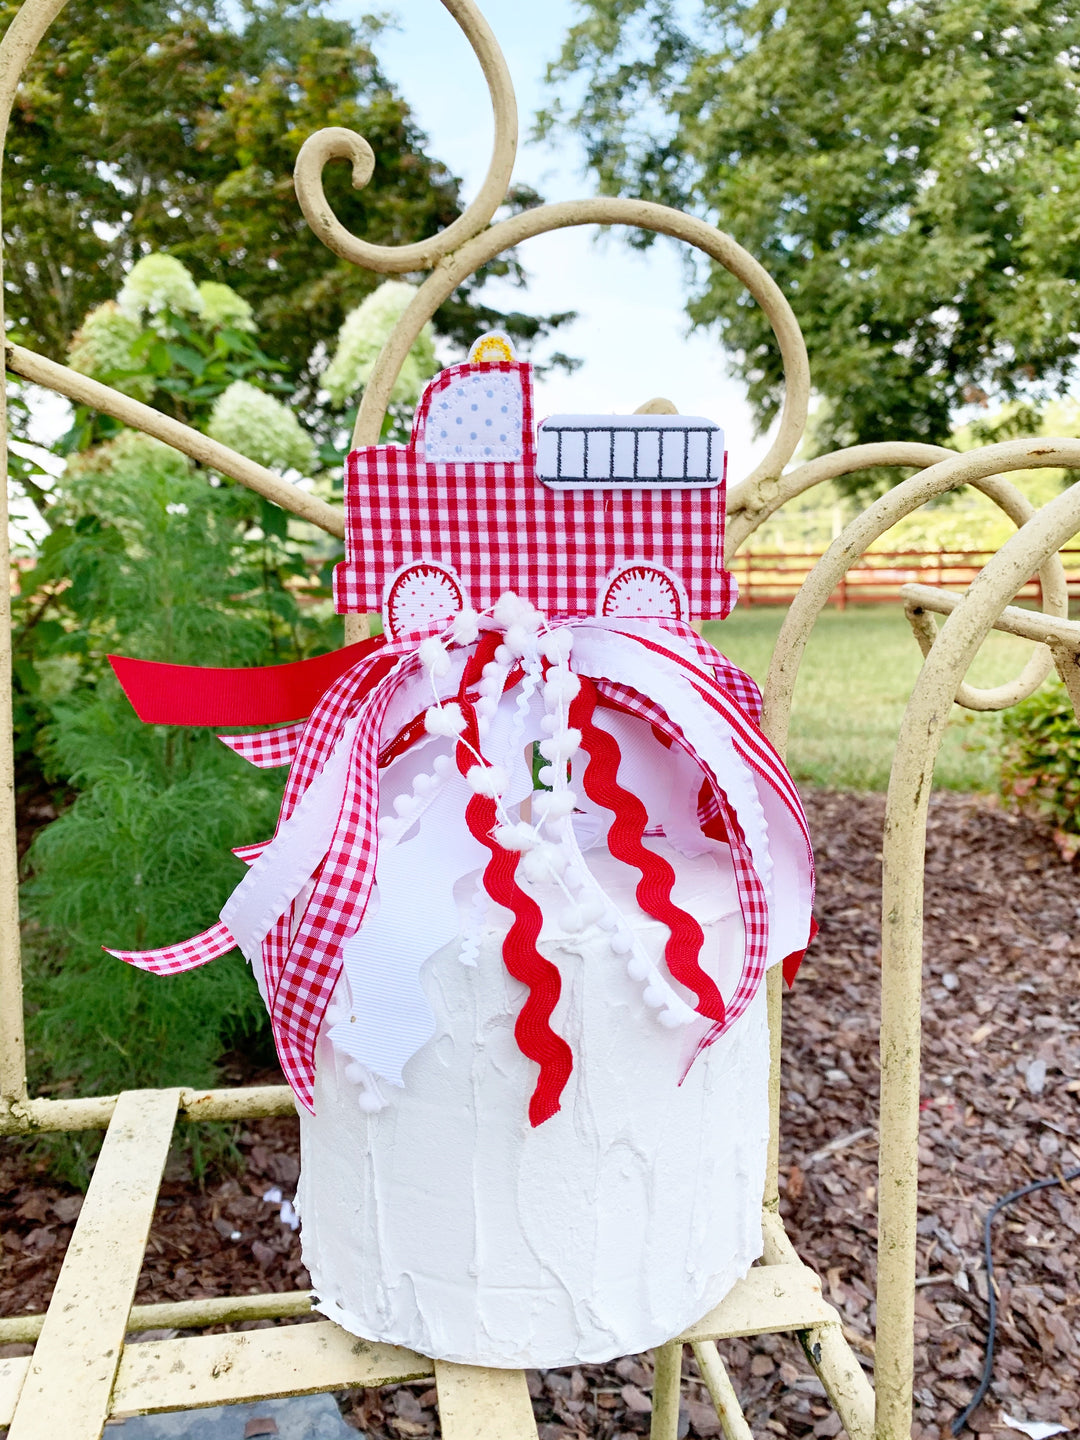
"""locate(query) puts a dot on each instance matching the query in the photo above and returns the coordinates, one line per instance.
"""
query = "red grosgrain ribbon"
(208, 695)
(625, 843)
(532, 1030)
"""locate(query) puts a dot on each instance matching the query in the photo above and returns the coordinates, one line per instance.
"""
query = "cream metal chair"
(81, 1374)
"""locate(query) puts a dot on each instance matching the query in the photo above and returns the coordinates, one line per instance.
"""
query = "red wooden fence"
(773, 577)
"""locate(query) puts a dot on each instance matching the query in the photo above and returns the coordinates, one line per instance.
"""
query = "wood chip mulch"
(1001, 1085)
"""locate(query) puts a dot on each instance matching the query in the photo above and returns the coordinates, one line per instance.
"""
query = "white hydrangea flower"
(157, 283)
(221, 305)
(362, 336)
(262, 428)
(102, 346)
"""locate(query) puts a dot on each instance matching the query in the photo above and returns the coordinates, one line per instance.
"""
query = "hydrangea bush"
(159, 286)
(225, 308)
(262, 428)
(148, 555)
(104, 348)
(362, 335)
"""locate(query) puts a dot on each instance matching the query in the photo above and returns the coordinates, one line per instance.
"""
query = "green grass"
(854, 681)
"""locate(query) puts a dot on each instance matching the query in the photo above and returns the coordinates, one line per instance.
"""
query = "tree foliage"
(908, 172)
(145, 126)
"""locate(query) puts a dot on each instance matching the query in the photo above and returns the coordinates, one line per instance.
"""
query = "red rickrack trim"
(536, 1040)
(654, 889)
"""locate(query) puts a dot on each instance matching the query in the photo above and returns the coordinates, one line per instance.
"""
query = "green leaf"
(159, 359)
(273, 520)
(185, 356)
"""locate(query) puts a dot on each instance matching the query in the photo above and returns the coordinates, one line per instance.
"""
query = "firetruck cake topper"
(559, 516)
(533, 860)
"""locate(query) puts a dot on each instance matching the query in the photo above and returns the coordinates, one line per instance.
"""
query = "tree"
(147, 126)
(908, 172)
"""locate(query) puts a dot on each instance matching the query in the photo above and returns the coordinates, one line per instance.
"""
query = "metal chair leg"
(667, 1376)
(720, 1388)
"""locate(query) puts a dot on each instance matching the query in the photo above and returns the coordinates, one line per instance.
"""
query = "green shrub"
(140, 859)
(145, 557)
(1041, 762)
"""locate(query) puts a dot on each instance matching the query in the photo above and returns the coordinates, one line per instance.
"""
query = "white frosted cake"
(512, 930)
(445, 1224)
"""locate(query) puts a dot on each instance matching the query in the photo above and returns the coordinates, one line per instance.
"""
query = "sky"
(632, 332)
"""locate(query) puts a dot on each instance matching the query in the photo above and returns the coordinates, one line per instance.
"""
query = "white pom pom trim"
(560, 687)
(554, 804)
(557, 645)
(465, 627)
(637, 967)
(433, 656)
(445, 720)
(511, 609)
(561, 746)
(534, 867)
(488, 780)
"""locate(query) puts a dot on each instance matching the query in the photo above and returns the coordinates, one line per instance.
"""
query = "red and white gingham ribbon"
(302, 961)
(267, 749)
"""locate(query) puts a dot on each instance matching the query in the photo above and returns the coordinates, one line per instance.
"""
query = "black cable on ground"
(991, 1297)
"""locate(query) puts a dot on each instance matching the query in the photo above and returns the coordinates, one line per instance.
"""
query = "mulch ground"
(1001, 1080)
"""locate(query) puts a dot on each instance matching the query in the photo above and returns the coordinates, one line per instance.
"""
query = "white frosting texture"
(445, 1223)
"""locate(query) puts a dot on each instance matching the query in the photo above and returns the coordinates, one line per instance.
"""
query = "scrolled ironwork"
(336, 143)
(868, 527)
